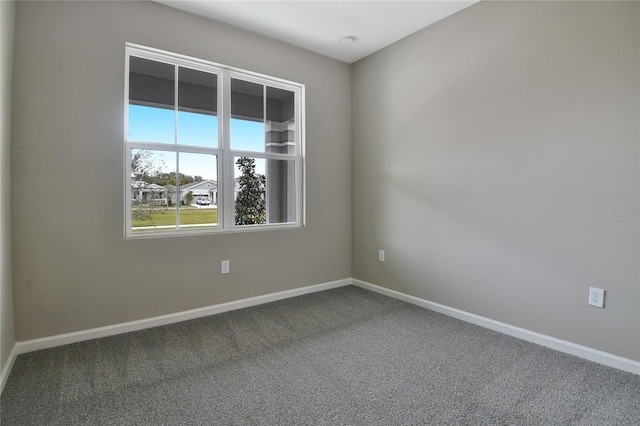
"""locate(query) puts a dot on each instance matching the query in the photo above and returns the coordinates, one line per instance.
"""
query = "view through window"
(209, 148)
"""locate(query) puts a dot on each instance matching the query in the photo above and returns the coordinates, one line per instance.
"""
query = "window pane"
(198, 190)
(152, 190)
(265, 191)
(247, 135)
(281, 191)
(247, 116)
(280, 125)
(151, 101)
(249, 191)
(197, 108)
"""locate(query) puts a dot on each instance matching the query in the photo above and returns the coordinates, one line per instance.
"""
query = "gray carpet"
(340, 357)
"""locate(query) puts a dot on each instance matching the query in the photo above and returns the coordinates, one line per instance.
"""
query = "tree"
(188, 198)
(250, 203)
(169, 178)
(144, 169)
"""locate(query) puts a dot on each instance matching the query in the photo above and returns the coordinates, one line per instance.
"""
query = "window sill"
(216, 231)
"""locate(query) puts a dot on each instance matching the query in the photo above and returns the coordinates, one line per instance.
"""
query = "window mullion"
(175, 142)
(266, 163)
(227, 155)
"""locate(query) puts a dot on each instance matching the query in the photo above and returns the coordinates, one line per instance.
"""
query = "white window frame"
(224, 154)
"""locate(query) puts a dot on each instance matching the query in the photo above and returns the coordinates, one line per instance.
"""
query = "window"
(209, 148)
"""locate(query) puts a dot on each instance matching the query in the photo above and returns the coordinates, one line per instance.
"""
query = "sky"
(147, 124)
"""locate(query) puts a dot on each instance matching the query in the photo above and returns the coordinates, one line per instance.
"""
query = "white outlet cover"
(224, 267)
(596, 297)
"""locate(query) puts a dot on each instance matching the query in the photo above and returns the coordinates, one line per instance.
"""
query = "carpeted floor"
(340, 357)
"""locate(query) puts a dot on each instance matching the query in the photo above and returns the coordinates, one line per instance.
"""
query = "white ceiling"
(320, 25)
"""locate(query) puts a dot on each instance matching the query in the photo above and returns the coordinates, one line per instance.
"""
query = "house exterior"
(204, 192)
(148, 193)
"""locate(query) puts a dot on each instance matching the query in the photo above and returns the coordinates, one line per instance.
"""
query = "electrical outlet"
(380, 255)
(224, 267)
(596, 297)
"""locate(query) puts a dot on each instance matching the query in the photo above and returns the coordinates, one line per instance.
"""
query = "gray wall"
(7, 334)
(489, 152)
(72, 268)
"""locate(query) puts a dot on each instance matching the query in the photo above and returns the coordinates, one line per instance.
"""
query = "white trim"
(172, 58)
(261, 79)
(570, 348)
(584, 352)
(301, 166)
(226, 159)
(167, 147)
(183, 231)
(4, 374)
(127, 151)
(111, 330)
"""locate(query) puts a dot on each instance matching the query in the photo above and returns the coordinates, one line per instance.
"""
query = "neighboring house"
(171, 193)
(148, 193)
(204, 192)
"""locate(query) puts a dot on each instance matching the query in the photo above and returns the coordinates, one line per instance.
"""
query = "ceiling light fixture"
(347, 40)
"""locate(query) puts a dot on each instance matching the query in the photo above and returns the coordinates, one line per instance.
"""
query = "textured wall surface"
(72, 268)
(496, 160)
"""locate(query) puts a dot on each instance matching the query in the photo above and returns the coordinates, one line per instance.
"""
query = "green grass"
(188, 216)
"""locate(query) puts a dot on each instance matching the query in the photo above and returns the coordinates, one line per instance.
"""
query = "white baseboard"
(4, 374)
(585, 352)
(111, 330)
